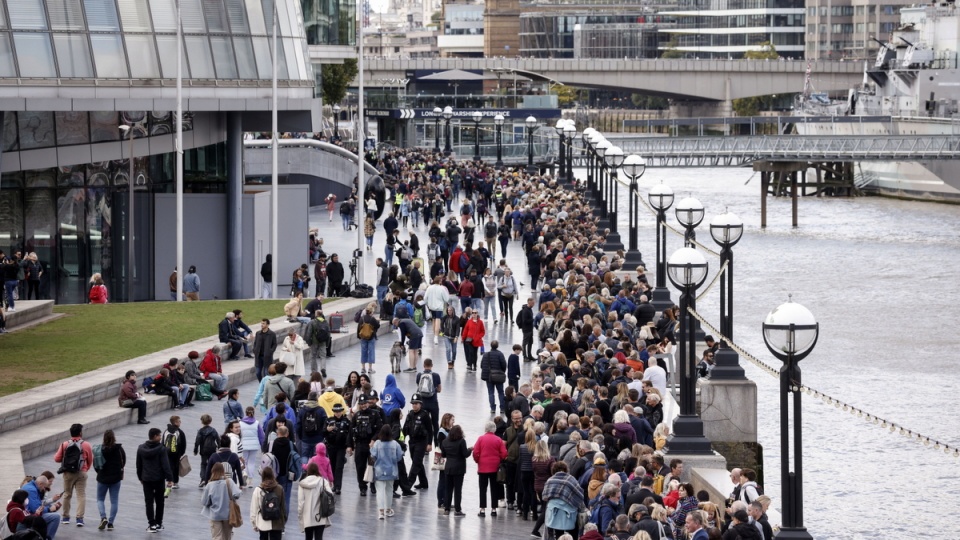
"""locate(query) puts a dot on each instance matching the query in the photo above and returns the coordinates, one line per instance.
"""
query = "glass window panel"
(36, 129)
(238, 17)
(198, 50)
(215, 14)
(103, 126)
(164, 15)
(223, 57)
(283, 16)
(255, 11)
(7, 66)
(167, 47)
(72, 127)
(261, 50)
(143, 57)
(289, 48)
(3, 17)
(297, 47)
(192, 17)
(108, 55)
(73, 55)
(246, 64)
(35, 55)
(268, 15)
(27, 15)
(135, 15)
(281, 60)
(102, 15)
(295, 20)
(8, 139)
(65, 14)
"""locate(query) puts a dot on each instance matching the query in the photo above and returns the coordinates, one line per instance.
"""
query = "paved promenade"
(463, 395)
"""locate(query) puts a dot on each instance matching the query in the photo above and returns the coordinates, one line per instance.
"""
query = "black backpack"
(311, 424)
(270, 506)
(72, 457)
(328, 504)
(491, 229)
(210, 444)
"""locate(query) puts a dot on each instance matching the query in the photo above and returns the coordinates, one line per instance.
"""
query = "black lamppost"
(531, 124)
(561, 151)
(336, 121)
(661, 199)
(726, 230)
(570, 131)
(477, 118)
(687, 270)
(690, 214)
(633, 167)
(437, 115)
(498, 121)
(587, 138)
(600, 149)
(447, 115)
(613, 158)
(790, 332)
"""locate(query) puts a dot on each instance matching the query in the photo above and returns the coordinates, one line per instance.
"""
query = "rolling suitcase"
(336, 323)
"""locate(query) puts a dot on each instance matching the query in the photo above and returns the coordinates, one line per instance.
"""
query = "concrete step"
(36, 322)
(27, 312)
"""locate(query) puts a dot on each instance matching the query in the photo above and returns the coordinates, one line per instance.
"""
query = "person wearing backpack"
(318, 335)
(310, 426)
(75, 457)
(175, 440)
(206, 444)
(313, 512)
(364, 428)
(109, 461)
(367, 330)
(268, 510)
(428, 386)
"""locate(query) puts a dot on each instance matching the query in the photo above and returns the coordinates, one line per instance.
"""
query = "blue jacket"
(391, 398)
(513, 367)
(386, 456)
(34, 497)
(288, 414)
(606, 514)
(396, 309)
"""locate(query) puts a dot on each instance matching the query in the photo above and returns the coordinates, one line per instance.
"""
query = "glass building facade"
(330, 22)
(607, 34)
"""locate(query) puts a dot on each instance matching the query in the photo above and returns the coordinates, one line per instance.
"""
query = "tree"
(752, 105)
(335, 78)
(672, 51)
(566, 96)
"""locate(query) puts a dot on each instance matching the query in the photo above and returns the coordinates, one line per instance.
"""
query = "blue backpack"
(148, 385)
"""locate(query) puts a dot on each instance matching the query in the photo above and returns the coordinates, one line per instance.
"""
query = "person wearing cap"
(337, 439)
(418, 429)
(364, 428)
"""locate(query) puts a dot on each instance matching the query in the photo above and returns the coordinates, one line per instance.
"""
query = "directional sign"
(406, 114)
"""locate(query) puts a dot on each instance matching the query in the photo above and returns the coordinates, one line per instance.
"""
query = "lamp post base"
(604, 223)
(661, 298)
(727, 366)
(793, 533)
(632, 259)
(688, 437)
(613, 242)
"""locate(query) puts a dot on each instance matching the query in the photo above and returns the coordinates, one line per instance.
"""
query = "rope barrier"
(893, 427)
(675, 231)
(714, 282)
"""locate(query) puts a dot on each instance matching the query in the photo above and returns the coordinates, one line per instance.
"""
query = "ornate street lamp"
(570, 131)
(437, 115)
(447, 115)
(633, 167)
(532, 125)
(613, 158)
(336, 121)
(561, 151)
(587, 137)
(690, 215)
(791, 332)
(726, 230)
(600, 148)
(477, 118)
(498, 121)
(661, 199)
(687, 270)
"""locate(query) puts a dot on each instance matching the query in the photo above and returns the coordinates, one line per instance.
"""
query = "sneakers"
(110, 527)
(79, 522)
(176, 486)
(202, 484)
(390, 512)
(65, 519)
(410, 370)
(103, 524)
(435, 340)
(459, 514)
(160, 528)
(152, 529)
(143, 421)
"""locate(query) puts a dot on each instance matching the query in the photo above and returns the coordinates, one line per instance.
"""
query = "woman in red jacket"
(98, 291)
(472, 336)
(489, 451)
(212, 369)
(16, 510)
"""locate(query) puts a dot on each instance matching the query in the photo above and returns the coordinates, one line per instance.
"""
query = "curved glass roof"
(136, 39)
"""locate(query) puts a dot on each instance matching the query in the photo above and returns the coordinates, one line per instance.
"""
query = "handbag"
(204, 392)
(236, 517)
(501, 474)
(368, 474)
(438, 462)
(497, 376)
(371, 461)
(583, 517)
(185, 467)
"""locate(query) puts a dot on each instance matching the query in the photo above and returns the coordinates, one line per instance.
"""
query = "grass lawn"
(93, 336)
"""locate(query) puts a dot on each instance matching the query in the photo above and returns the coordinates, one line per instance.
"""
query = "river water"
(880, 276)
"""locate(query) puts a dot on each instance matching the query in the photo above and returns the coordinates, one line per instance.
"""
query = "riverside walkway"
(416, 517)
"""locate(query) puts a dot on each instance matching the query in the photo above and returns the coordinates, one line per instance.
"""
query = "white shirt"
(657, 377)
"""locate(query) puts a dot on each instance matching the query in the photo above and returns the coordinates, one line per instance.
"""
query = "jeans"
(489, 306)
(71, 481)
(183, 394)
(451, 346)
(52, 519)
(10, 286)
(499, 388)
(384, 494)
(287, 486)
(381, 293)
(441, 489)
(503, 247)
(153, 496)
(219, 382)
(388, 254)
(102, 490)
(266, 290)
(368, 351)
(476, 304)
(346, 221)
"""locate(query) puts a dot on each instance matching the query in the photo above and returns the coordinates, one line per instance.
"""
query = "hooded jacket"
(308, 500)
(330, 398)
(322, 461)
(153, 465)
(392, 398)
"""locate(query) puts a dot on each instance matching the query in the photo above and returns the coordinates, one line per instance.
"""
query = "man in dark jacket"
(335, 276)
(337, 438)
(525, 323)
(153, 471)
(366, 425)
(493, 371)
(228, 334)
(264, 346)
(418, 429)
(311, 425)
(640, 514)
(644, 312)
(646, 490)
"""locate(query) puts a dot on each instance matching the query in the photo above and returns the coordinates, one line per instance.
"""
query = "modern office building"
(77, 75)
(846, 29)
(462, 31)
(730, 28)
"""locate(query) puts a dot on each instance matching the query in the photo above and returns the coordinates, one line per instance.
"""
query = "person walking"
(266, 274)
(454, 450)
(367, 332)
(191, 285)
(264, 346)
(206, 444)
(418, 429)
(337, 439)
(493, 371)
(268, 507)
(525, 323)
(175, 440)
(472, 335)
(153, 471)
(109, 476)
(450, 332)
(251, 440)
(386, 453)
(75, 457)
(309, 491)
(215, 503)
(489, 452)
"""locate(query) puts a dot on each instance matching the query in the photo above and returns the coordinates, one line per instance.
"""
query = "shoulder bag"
(236, 517)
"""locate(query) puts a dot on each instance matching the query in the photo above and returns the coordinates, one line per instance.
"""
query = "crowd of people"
(573, 447)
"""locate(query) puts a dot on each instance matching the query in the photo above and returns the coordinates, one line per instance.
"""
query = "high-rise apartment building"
(847, 29)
